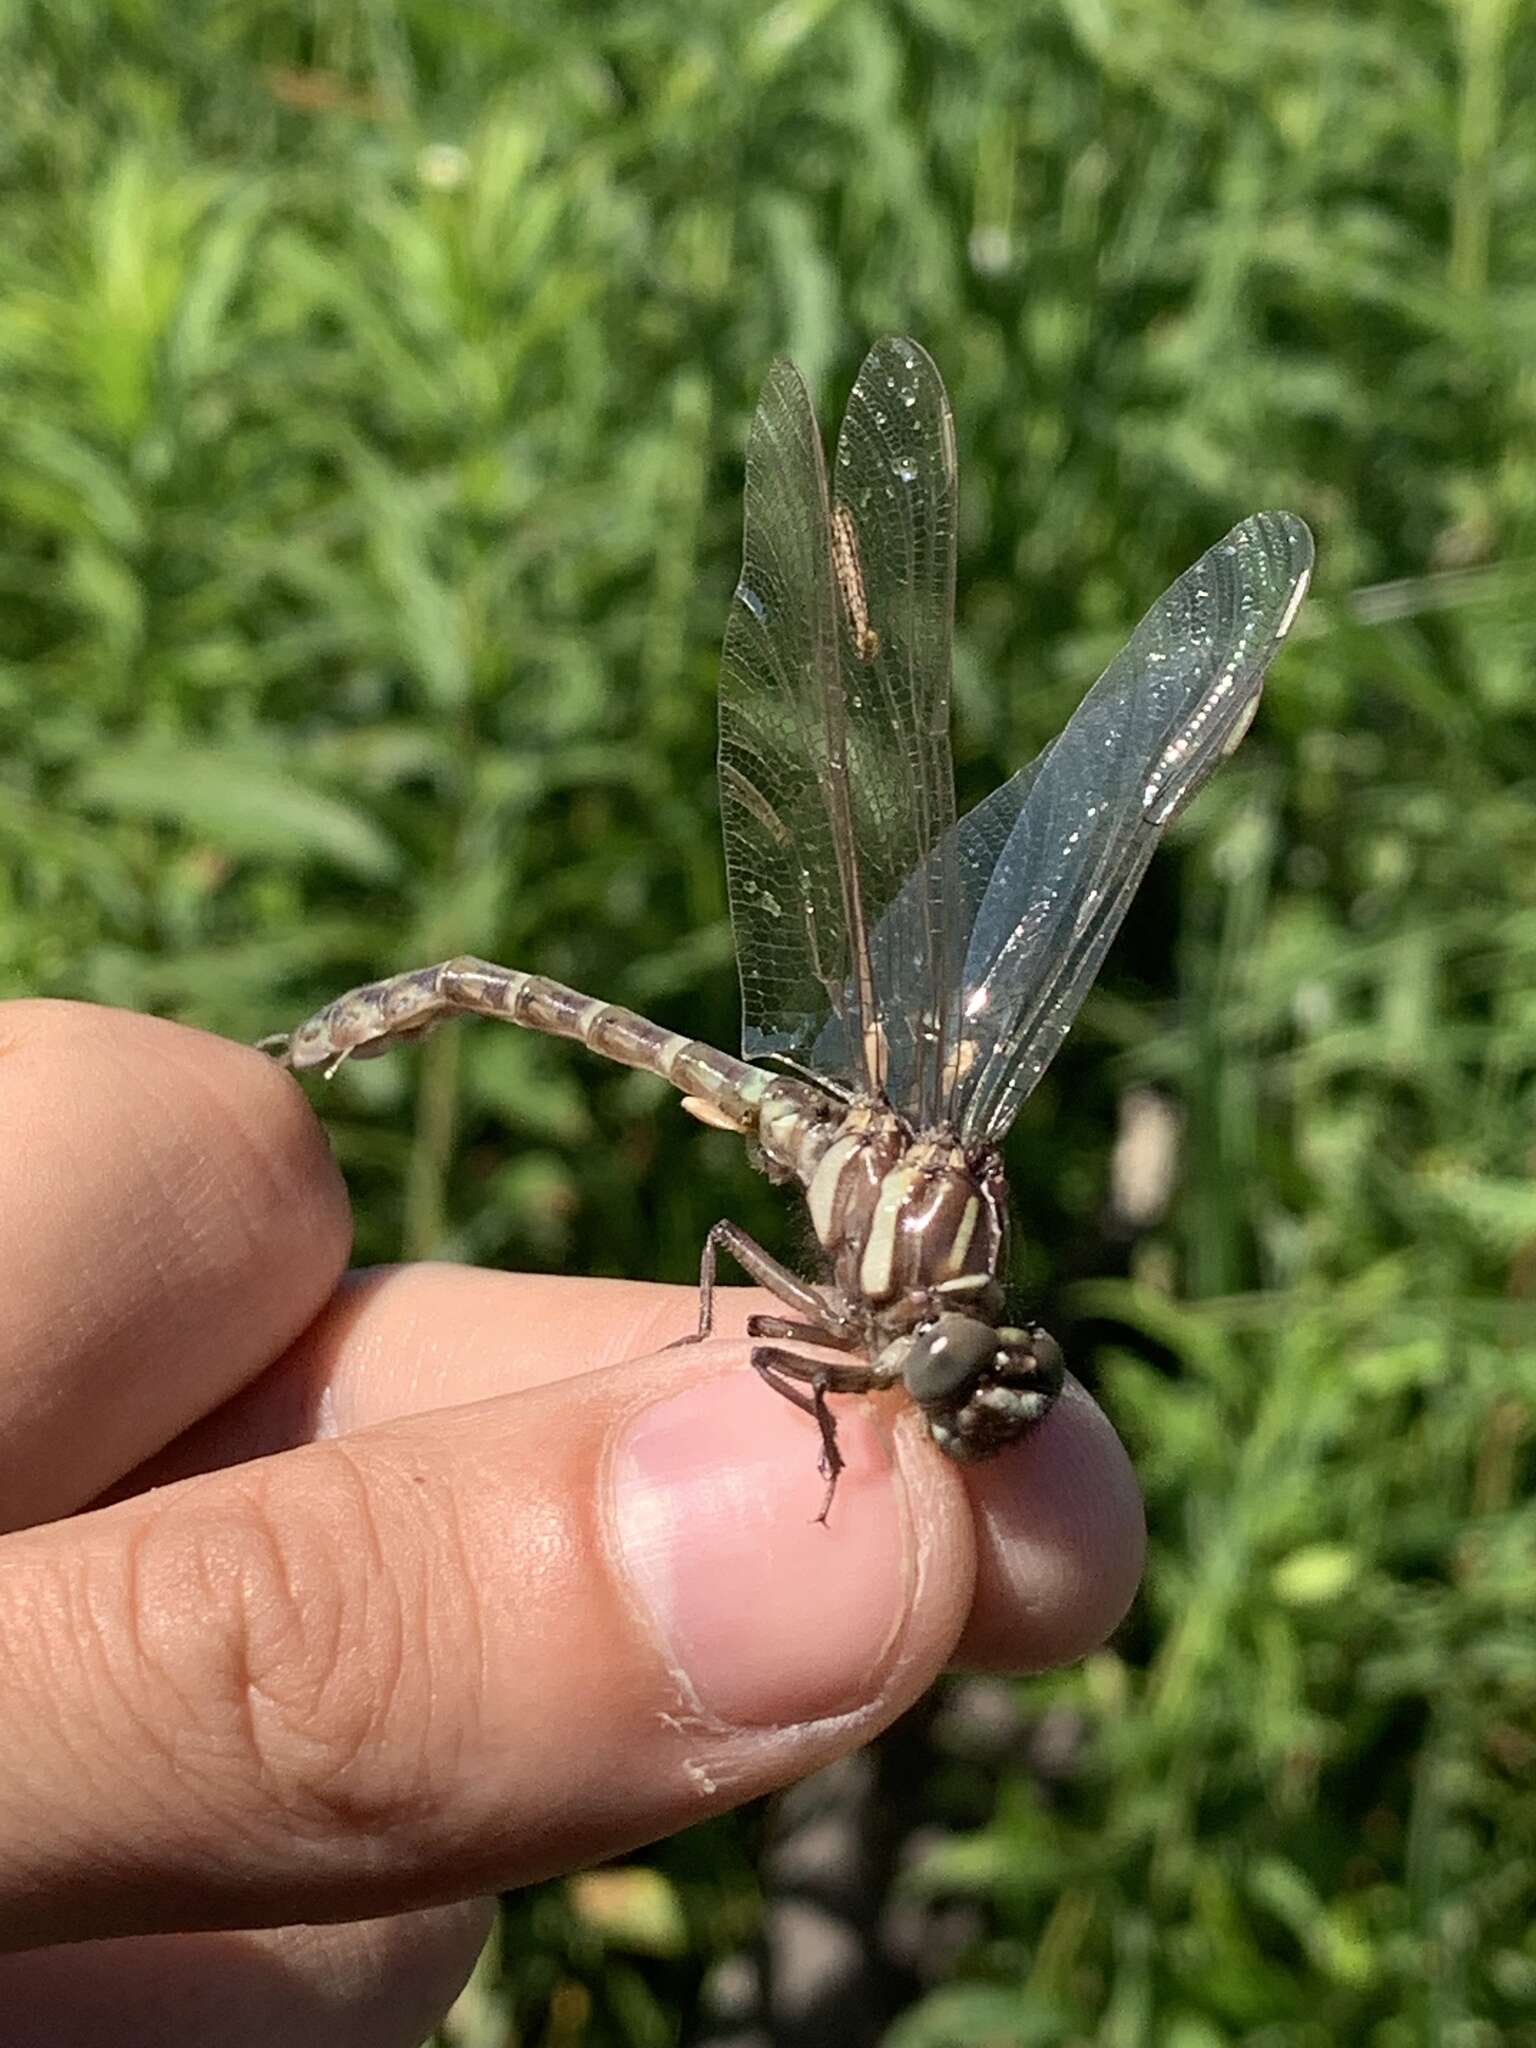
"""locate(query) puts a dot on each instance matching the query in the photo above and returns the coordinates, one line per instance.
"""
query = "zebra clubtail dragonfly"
(906, 977)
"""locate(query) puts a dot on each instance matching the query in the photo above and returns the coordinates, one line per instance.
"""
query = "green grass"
(373, 386)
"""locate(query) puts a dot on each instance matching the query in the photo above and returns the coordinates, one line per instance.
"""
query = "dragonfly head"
(980, 1387)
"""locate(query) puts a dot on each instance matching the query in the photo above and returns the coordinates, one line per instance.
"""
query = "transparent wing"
(778, 671)
(836, 782)
(1046, 866)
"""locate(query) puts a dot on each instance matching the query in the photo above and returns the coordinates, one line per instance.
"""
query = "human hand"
(412, 1586)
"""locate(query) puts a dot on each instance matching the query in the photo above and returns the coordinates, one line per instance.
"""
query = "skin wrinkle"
(96, 1771)
(141, 1715)
(282, 1724)
(71, 1630)
(271, 1718)
(211, 1688)
(459, 1560)
(440, 1587)
(361, 1639)
(452, 1632)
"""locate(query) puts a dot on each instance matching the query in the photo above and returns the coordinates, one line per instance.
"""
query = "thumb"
(457, 1652)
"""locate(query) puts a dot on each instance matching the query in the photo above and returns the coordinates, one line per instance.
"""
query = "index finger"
(171, 1218)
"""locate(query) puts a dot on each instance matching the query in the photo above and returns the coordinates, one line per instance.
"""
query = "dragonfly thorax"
(909, 1225)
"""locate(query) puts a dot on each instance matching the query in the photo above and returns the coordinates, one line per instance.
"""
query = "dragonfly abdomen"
(366, 1021)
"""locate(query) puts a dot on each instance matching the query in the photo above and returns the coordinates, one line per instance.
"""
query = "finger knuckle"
(296, 1638)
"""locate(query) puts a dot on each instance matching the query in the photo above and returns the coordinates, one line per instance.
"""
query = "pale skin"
(330, 1606)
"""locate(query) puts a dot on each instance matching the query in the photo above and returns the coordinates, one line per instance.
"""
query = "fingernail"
(767, 1616)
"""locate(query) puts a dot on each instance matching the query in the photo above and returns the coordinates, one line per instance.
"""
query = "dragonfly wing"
(895, 493)
(836, 780)
(778, 669)
(1051, 860)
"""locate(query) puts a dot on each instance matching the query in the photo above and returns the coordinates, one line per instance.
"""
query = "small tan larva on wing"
(850, 581)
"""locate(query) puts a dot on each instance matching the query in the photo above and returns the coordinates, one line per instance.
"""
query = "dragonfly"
(907, 974)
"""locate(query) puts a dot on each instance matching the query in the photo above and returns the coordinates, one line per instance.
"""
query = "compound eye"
(946, 1357)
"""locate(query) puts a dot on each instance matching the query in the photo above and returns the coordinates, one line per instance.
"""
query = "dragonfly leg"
(782, 1369)
(762, 1267)
(811, 1372)
(801, 1333)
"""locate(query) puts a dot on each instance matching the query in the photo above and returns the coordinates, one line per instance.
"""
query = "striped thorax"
(915, 1232)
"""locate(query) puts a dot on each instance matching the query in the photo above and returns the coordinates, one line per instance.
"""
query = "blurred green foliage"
(373, 387)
